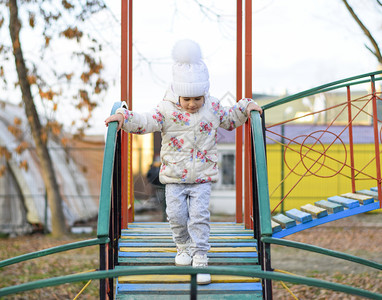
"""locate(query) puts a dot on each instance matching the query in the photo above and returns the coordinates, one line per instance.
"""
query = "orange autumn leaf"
(32, 79)
(14, 130)
(17, 121)
(24, 165)
(47, 95)
(4, 152)
(2, 170)
(44, 137)
(64, 141)
(21, 147)
(72, 33)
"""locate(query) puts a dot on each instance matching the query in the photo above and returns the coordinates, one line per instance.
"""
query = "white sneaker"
(183, 257)
(201, 261)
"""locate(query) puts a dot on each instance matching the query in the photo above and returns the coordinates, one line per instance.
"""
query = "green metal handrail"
(258, 141)
(262, 177)
(192, 271)
(324, 88)
(324, 251)
(107, 178)
(53, 250)
(261, 174)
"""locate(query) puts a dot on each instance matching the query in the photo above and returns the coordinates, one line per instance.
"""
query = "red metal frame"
(351, 139)
(376, 140)
(239, 94)
(127, 194)
(248, 94)
(124, 97)
(127, 191)
(323, 151)
(130, 207)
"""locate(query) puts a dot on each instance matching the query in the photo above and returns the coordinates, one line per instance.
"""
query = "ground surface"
(358, 235)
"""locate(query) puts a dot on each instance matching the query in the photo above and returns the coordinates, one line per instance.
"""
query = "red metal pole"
(376, 141)
(124, 97)
(351, 139)
(239, 93)
(248, 93)
(130, 203)
(127, 188)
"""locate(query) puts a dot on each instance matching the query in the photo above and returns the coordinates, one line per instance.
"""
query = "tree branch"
(376, 52)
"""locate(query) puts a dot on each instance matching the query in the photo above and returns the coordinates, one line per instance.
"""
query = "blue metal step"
(338, 207)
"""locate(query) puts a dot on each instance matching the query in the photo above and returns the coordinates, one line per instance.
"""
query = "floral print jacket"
(189, 150)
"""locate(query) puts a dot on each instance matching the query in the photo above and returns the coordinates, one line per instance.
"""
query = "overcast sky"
(297, 44)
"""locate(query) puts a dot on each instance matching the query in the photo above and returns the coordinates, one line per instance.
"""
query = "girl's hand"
(252, 106)
(116, 117)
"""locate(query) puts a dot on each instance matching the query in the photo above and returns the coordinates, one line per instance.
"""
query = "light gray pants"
(187, 211)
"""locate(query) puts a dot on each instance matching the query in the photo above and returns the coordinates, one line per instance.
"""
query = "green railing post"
(193, 287)
(261, 174)
(105, 214)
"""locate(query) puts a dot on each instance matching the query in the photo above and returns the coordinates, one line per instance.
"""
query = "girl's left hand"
(252, 106)
(116, 117)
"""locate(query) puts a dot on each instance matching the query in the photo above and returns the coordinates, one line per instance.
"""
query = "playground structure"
(128, 248)
(146, 248)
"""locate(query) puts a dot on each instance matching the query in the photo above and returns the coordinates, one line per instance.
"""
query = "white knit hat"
(190, 74)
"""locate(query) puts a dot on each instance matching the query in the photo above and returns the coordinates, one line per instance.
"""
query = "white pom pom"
(186, 51)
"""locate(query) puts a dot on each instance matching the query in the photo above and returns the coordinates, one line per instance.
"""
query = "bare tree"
(54, 21)
(375, 47)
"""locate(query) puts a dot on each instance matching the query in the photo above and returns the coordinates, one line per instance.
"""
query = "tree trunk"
(54, 197)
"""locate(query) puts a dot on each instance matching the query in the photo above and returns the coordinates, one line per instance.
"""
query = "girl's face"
(191, 104)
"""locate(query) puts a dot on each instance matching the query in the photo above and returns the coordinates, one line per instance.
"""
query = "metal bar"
(320, 89)
(53, 250)
(106, 181)
(282, 167)
(266, 265)
(130, 206)
(351, 146)
(248, 94)
(247, 182)
(323, 251)
(116, 212)
(193, 287)
(262, 176)
(124, 179)
(376, 140)
(186, 270)
(124, 97)
(263, 248)
(110, 256)
(250, 186)
(102, 267)
(239, 93)
(255, 199)
(266, 249)
(256, 218)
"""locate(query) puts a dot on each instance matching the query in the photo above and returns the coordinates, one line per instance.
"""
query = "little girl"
(188, 118)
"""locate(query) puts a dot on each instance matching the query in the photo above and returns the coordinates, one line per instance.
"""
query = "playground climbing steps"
(150, 244)
(323, 211)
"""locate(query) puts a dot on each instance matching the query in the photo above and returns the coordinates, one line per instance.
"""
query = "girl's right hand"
(116, 117)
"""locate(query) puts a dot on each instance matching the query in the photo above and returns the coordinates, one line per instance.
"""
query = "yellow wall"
(143, 151)
(311, 188)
